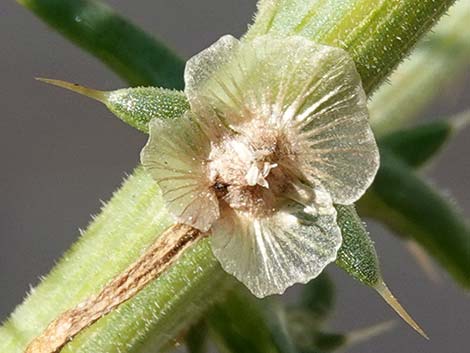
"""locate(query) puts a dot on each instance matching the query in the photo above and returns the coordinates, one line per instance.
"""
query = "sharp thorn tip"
(100, 96)
(387, 295)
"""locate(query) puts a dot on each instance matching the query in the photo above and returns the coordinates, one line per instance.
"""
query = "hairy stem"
(151, 264)
(377, 34)
(434, 64)
(127, 225)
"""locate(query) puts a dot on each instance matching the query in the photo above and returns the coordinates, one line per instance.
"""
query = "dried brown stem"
(156, 259)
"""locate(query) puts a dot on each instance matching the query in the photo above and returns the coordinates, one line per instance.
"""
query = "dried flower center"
(250, 170)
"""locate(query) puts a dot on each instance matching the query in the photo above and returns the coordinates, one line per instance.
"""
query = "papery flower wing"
(293, 82)
(270, 254)
(326, 105)
(208, 91)
(175, 155)
(333, 120)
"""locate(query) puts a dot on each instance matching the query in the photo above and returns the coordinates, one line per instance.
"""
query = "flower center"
(248, 170)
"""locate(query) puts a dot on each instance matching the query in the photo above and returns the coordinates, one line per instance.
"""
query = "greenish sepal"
(318, 297)
(130, 52)
(137, 106)
(413, 208)
(357, 255)
(416, 146)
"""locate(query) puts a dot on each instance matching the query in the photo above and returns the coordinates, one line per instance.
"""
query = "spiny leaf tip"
(387, 295)
(100, 96)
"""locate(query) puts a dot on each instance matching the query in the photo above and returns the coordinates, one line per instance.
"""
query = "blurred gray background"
(60, 154)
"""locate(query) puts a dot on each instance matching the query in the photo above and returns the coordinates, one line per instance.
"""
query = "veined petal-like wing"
(270, 254)
(296, 83)
(175, 155)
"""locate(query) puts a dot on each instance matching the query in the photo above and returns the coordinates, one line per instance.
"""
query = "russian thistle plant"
(258, 163)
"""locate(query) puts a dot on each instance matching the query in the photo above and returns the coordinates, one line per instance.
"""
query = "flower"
(276, 134)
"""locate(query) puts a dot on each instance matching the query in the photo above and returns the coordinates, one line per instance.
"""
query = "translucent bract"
(277, 133)
(269, 254)
(174, 155)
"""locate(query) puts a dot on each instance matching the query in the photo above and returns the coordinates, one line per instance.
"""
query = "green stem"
(130, 52)
(377, 34)
(433, 66)
(127, 224)
(135, 215)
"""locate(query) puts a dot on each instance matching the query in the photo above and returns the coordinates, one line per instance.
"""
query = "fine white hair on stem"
(166, 249)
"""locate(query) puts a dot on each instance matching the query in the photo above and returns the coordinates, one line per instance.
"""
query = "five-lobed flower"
(276, 134)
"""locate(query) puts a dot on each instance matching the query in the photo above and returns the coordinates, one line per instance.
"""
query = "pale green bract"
(277, 132)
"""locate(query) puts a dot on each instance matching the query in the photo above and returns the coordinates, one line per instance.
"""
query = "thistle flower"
(276, 134)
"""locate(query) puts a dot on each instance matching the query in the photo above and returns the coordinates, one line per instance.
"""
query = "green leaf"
(310, 338)
(357, 256)
(242, 323)
(415, 146)
(126, 49)
(409, 206)
(135, 106)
